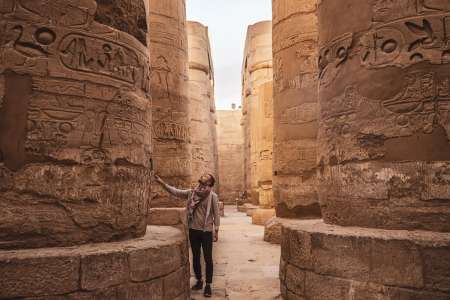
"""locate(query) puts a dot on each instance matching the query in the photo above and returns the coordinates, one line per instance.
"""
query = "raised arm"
(172, 190)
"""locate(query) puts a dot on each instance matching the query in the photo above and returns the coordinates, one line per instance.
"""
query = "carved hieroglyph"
(168, 47)
(128, 16)
(385, 113)
(257, 113)
(295, 108)
(75, 124)
(201, 102)
(231, 155)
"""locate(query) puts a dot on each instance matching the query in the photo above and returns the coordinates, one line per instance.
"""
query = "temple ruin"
(341, 150)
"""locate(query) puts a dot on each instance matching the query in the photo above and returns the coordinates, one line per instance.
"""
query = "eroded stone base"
(153, 267)
(175, 217)
(272, 231)
(262, 216)
(246, 208)
(320, 261)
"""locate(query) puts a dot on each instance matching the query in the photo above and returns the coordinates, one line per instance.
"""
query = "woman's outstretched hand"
(159, 180)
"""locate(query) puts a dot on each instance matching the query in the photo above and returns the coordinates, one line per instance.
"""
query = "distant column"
(201, 98)
(257, 113)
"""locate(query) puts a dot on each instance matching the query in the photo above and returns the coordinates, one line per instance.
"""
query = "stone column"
(75, 118)
(384, 153)
(257, 91)
(168, 47)
(231, 155)
(295, 108)
(75, 147)
(201, 97)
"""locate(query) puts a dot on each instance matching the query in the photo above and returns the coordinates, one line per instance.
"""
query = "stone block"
(167, 216)
(272, 231)
(39, 272)
(172, 291)
(103, 269)
(391, 263)
(318, 287)
(100, 271)
(262, 216)
(295, 280)
(151, 263)
(152, 290)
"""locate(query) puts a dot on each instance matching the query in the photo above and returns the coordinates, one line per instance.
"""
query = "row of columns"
(362, 138)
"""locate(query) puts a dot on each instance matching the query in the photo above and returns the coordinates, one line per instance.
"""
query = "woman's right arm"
(172, 190)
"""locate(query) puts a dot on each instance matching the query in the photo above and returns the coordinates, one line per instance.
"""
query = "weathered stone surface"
(152, 263)
(37, 273)
(296, 106)
(231, 155)
(176, 217)
(75, 124)
(201, 103)
(272, 231)
(104, 269)
(171, 290)
(384, 114)
(125, 15)
(136, 269)
(261, 216)
(169, 56)
(257, 113)
(339, 261)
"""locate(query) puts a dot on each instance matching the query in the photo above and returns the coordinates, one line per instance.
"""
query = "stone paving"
(246, 267)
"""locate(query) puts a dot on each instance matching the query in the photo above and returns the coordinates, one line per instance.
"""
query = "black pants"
(202, 240)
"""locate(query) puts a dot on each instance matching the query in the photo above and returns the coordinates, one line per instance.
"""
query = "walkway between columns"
(246, 267)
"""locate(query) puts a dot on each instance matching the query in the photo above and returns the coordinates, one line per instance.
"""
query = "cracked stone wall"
(231, 155)
(295, 50)
(257, 113)
(202, 102)
(169, 55)
(75, 123)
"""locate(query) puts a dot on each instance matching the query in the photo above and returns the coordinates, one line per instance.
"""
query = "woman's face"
(204, 180)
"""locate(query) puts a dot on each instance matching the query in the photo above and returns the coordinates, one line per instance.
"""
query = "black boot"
(198, 286)
(208, 292)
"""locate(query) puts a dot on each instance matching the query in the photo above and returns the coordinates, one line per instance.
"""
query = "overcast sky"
(227, 21)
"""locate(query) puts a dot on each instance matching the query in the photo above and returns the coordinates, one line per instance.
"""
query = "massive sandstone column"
(384, 156)
(295, 108)
(75, 147)
(231, 155)
(257, 111)
(169, 55)
(201, 97)
(75, 119)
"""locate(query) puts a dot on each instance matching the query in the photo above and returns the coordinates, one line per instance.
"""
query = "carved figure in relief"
(160, 78)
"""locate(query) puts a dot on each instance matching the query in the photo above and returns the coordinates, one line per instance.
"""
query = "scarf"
(198, 195)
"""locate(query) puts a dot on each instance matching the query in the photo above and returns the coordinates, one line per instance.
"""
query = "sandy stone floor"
(246, 267)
